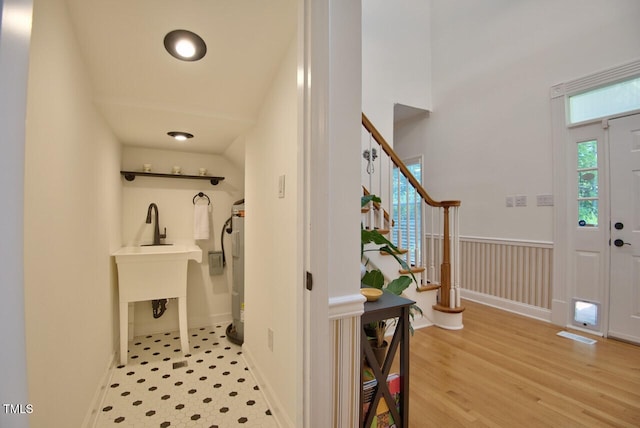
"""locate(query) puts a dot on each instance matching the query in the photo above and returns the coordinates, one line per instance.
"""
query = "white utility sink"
(151, 273)
(192, 251)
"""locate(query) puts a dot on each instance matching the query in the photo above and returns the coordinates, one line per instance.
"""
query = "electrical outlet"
(270, 339)
(521, 201)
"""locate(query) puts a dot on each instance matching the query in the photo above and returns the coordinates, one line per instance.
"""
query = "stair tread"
(400, 251)
(414, 269)
(380, 231)
(428, 287)
(447, 309)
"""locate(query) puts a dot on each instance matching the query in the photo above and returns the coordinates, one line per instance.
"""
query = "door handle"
(620, 243)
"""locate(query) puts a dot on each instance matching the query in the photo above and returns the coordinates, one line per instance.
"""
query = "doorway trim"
(15, 39)
(330, 109)
(562, 278)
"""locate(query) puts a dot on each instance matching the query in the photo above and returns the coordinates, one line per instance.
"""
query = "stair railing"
(441, 243)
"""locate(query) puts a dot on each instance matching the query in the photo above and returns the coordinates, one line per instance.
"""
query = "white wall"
(15, 32)
(71, 224)
(395, 59)
(235, 152)
(493, 63)
(273, 248)
(208, 297)
(396, 69)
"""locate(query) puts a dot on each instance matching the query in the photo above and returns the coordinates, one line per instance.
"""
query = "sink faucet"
(156, 232)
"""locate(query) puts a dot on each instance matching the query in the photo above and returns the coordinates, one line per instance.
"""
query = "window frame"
(607, 85)
(409, 161)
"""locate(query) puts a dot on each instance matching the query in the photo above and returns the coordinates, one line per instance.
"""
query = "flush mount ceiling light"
(185, 45)
(180, 136)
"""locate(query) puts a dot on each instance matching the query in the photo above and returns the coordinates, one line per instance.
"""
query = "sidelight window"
(587, 173)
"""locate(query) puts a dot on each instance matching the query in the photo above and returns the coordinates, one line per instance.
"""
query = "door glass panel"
(588, 213)
(587, 173)
(588, 154)
(588, 184)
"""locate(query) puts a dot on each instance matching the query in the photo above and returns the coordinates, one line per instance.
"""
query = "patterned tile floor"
(214, 389)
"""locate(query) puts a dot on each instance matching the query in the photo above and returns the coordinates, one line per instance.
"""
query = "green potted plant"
(374, 278)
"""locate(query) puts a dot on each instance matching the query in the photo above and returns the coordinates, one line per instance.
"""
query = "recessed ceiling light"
(180, 136)
(185, 45)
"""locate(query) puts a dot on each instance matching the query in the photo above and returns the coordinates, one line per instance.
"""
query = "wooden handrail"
(445, 267)
(403, 168)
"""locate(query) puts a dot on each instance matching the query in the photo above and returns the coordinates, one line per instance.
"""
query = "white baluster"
(390, 202)
(456, 243)
(423, 244)
(381, 207)
(432, 254)
(440, 241)
(399, 210)
(370, 164)
(371, 215)
(416, 242)
(382, 195)
(407, 229)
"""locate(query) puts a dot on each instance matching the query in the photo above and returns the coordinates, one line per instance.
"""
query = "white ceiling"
(144, 92)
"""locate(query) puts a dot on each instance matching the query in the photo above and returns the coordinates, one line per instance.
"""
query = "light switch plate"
(270, 339)
(520, 200)
(544, 200)
(281, 185)
(509, 202)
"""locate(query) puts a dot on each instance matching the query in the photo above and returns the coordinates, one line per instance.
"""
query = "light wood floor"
(504, 370)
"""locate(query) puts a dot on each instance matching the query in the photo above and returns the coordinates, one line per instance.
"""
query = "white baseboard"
(508, 305)
(220, 318)
(282, 421)
(448, 321)
(559, 312)
(419, 323)
(212, 319)
(91, 417)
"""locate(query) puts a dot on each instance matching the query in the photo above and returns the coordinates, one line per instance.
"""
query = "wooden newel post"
(445, 268)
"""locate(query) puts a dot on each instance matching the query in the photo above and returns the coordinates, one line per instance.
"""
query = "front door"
(624, 298)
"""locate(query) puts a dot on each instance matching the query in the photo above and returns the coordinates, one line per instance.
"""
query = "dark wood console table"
(389, 306)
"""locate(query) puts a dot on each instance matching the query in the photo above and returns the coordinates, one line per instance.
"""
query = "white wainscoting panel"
(345, 315)
(506, 270)
(519, 271)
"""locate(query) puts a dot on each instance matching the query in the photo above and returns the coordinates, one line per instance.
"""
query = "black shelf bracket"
(131, 175)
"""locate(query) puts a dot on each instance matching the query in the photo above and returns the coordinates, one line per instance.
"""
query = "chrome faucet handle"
(163, 235)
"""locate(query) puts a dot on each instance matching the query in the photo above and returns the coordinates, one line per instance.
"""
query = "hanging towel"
(201, 221)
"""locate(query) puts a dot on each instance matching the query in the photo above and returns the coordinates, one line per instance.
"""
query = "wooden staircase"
(433, 226)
